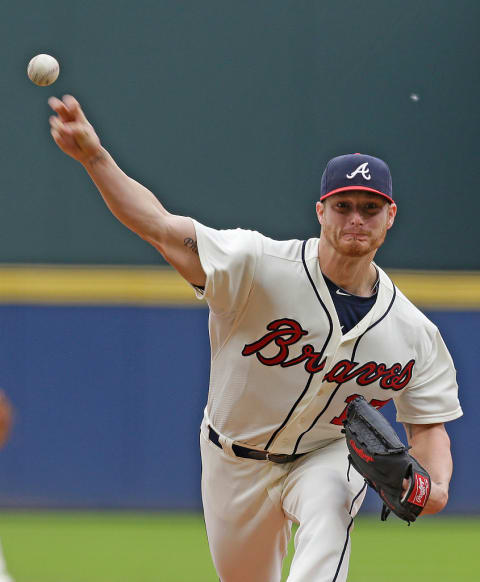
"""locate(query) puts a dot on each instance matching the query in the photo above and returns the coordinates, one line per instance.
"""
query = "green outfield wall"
(229, 111)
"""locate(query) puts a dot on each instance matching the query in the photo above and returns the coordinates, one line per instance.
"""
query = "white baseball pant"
(250, 505)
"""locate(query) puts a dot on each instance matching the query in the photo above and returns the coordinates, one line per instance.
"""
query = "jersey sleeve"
(433, 394)
(229, 259)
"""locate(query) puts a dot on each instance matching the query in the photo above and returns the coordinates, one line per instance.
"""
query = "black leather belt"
(247, 453)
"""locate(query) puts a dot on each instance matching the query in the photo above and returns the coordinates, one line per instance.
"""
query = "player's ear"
(320, 208)
(392, 212)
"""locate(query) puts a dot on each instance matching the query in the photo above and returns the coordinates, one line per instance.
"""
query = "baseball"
(43, 70)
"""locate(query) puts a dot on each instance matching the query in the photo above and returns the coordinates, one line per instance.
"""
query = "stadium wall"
(229, 111)
(108, 372)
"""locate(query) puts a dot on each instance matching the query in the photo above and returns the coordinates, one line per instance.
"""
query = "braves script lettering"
(286, 332)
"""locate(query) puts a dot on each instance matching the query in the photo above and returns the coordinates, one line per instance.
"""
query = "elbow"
(437, 501)
(441, 503)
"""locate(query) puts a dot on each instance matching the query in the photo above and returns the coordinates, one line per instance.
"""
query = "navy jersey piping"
(351, 359)
(318, 297)
(376, 322)
(356, 497)
(348, 531)
(344, 550)
(287, 418)
(305, 390)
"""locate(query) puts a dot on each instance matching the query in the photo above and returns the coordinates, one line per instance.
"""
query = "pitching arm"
(133, 204)
(431, 447)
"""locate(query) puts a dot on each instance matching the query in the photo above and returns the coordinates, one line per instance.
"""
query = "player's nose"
(356, 217)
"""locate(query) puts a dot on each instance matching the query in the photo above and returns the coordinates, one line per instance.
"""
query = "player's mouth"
(355, 235)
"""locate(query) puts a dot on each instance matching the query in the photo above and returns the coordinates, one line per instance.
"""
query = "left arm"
(431, 447)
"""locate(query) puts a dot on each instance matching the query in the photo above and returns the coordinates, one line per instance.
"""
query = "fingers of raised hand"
(73, 128)
(58, 128)
(61, 139)
(68, 109)
(56, 122)
(60, 109)
(56, 136)
(76, 137)
(73, 106)
(62, 132)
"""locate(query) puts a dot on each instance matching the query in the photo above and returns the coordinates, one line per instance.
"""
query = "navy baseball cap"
(356, 172)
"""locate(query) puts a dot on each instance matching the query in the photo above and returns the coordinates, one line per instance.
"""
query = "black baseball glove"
(383, 460)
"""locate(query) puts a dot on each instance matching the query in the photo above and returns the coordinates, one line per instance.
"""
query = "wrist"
(100, 156)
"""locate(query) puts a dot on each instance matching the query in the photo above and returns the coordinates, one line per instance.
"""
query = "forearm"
(431, 447)
(133, 204)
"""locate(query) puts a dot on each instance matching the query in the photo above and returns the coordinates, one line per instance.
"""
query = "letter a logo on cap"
(362, 169)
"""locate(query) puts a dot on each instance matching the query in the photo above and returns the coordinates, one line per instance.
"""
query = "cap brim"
(346, 188)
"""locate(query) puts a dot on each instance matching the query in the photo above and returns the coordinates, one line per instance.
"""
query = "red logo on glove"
(420, 492)
(361, 453)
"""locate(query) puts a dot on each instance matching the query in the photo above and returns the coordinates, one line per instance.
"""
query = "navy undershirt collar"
(350, 308)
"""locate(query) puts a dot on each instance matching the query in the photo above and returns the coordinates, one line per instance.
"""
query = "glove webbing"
(399, 448)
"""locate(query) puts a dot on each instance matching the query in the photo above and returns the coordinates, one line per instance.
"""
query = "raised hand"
(72, 131)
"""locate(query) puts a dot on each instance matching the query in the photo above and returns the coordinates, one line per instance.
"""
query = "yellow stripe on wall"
(106, 285)
(440, 289)
(102, 285)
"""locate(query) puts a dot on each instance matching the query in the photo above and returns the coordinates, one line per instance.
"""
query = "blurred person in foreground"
(6, 421)
(297, 329)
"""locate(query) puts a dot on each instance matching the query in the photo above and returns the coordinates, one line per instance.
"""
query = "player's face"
(355, 223)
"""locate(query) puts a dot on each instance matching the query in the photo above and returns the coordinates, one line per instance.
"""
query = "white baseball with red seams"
(43, 70)
(282, 375)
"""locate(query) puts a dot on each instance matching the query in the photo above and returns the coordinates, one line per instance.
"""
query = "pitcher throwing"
(298, 330)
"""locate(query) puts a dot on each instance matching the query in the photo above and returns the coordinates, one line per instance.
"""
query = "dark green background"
(229, 110)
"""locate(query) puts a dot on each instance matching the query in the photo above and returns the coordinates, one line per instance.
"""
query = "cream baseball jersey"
(282, 372)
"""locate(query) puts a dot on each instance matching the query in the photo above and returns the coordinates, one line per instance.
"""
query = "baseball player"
(298, 329)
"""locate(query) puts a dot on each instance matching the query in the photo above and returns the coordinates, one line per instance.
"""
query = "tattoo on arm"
(96, 159)
(191, 243)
